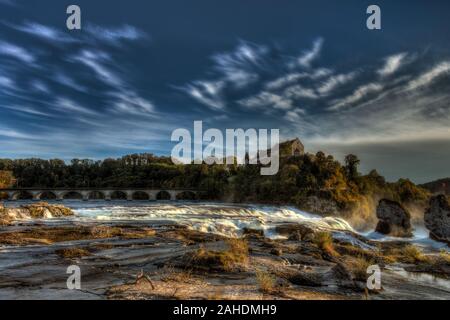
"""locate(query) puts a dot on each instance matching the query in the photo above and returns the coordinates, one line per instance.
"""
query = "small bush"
(358, 267)
(324, 241)
(444, 256)
(412, 254)
(239, 249)
(70, 253)
(237, 253)
(266, 282)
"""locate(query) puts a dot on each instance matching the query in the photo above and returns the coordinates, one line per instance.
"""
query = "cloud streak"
(334, 81)
(114, 35)
(392, 64)
(440, 70)
(359, 94)
(15, 52)
(306, 59)
(45, 32)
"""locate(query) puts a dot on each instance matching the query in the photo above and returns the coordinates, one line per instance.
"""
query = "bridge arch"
(46, 195)
(96, 195)
(140, 195)
(72, 195)
(22, 195)
(163, 195)
(187, 195)
(118, 195)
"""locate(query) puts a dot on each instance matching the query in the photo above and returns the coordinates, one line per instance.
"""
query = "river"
(214, 218)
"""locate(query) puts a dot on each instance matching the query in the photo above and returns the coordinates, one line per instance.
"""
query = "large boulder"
(394, 219)
(437, 218)
(295, 231)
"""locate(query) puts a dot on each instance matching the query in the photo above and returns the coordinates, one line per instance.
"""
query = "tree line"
(299, 178)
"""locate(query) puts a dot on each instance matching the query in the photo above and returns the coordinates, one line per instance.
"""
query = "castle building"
(292, 148)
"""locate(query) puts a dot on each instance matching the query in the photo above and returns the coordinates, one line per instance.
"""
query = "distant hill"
(438, 186)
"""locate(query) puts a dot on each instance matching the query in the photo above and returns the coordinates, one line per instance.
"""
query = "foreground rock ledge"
(166, 261)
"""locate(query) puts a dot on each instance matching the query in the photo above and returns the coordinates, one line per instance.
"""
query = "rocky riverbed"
(167, 259)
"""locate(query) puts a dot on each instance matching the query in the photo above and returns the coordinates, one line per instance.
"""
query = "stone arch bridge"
(99, 193)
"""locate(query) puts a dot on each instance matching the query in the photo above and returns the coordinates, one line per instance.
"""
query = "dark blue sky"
(139, 69)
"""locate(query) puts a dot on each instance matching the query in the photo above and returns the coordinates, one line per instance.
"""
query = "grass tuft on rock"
(227, 260)
(324, 241)
(412, 254)
(266, 282)
(358, 267)
(71, 253)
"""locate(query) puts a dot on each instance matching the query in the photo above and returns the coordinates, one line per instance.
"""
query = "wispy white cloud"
(114, 35)
(236, 66)
(96, 61)
(16, 52)
(65, 104)
(248, 64)
(65, 80)
(267, 99)
(207, 93)
(26, 110)
(294, 77)
(309, 56)
(39, 86)
(285, 80)
(45, 32)
(10, 133)
(297, 91)
(123, 97)
(7, 82)
(295, 115)
(359, 94)
(334, 81)
(130, 102)
(442, 69)
(233, 70)
(392, 64)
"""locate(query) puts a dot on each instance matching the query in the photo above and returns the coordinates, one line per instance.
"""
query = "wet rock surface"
(437, 218)
(167, 261)
(394, 219)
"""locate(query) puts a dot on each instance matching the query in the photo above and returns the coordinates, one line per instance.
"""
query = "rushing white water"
(223, 219)
(226, 219)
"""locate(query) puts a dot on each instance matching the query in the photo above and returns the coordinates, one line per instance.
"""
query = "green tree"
(351, 166)
(6, 179)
